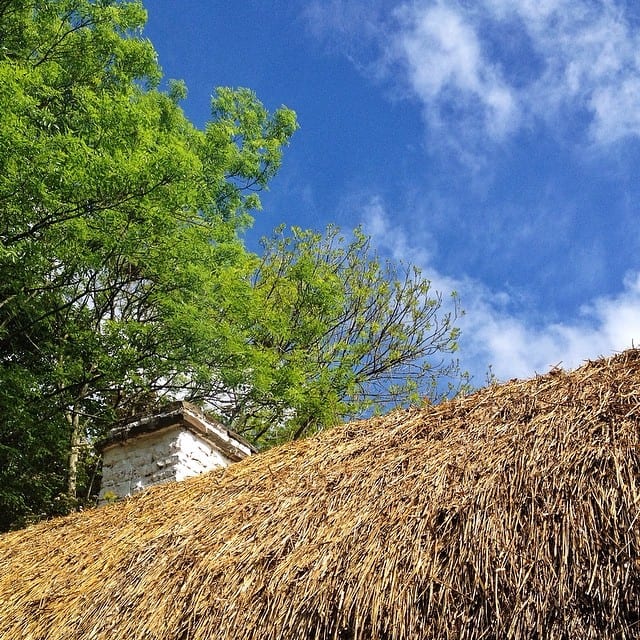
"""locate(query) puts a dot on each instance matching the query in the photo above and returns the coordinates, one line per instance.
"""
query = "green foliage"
(121, 269)
(340, 333)
(124, 281)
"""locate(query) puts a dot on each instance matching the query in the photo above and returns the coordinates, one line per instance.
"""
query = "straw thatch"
(510, 513)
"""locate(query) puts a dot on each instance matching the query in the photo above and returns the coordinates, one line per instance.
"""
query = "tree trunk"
(74, 453)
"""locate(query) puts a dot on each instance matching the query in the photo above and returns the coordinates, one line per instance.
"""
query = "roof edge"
(191, 417)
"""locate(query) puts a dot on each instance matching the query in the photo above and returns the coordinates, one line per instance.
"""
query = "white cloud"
(443, 58)
(391, 239)
(496, 333)
(590, 57)
(516, 348)
(617, 112)
(571, 59)
(481, 70)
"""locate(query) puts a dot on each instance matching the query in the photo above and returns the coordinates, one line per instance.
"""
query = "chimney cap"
(180, 414)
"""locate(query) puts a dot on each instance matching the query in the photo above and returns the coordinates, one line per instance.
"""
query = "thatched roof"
(510, 513)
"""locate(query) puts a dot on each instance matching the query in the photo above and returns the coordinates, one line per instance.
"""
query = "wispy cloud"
(493, 66)
(496, 330)
(442, 55)
(591, 62)
(517, 348)
(349, 27)
(483, 72)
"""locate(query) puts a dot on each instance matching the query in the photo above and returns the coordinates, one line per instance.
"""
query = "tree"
(124, 280)
(121, 267)
(342, 333)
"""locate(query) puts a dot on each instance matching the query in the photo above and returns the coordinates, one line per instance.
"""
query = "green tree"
(341, 333)
(122, 275)
(124, 280)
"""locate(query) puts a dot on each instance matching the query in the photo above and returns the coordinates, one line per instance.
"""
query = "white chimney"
(179, 442)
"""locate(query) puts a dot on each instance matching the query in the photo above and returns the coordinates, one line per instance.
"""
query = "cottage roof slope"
(509, 513)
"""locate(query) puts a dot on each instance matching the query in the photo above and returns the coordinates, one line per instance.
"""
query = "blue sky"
(496, 144)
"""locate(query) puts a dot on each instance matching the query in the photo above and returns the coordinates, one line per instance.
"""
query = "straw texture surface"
(509, 513)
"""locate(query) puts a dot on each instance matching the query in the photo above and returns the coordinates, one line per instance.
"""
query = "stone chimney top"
(178, 442)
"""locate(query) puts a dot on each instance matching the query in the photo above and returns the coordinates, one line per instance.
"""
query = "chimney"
(177, 443)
